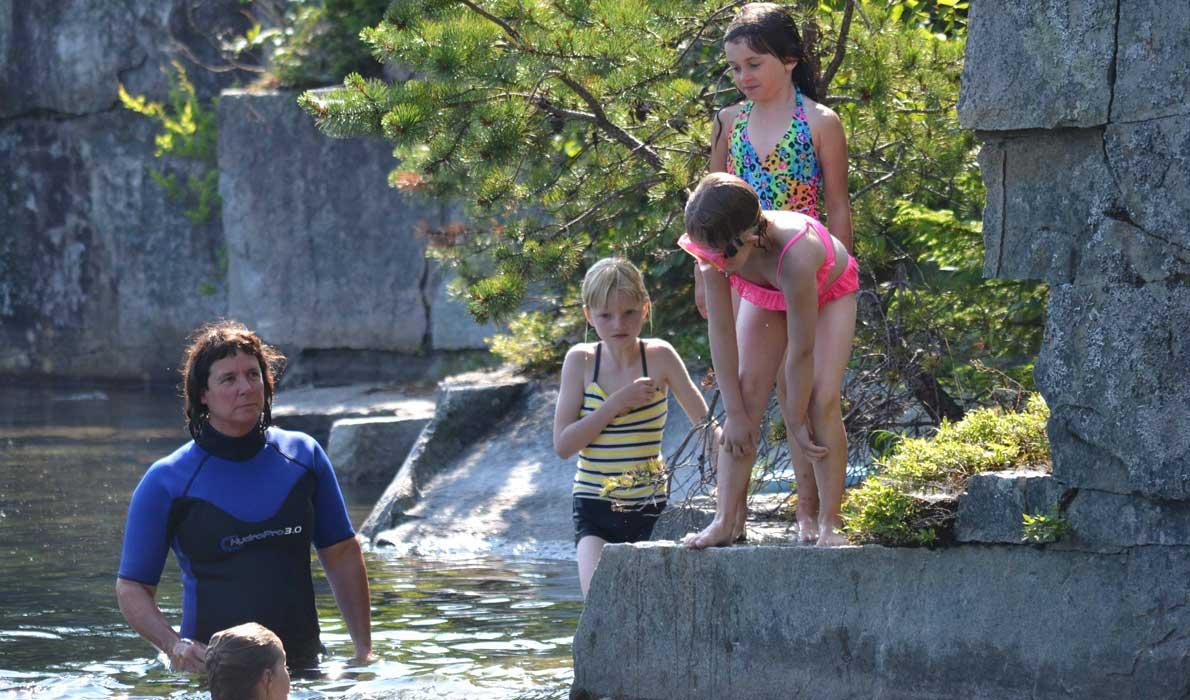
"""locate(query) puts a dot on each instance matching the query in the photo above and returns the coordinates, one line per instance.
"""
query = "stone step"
(993, 508)
(994, 505)
(371, 449)
(313, 410)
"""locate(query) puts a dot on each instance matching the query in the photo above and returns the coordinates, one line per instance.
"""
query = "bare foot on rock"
(807, 530)
(717, 534)
(741, 529)
(831, 537)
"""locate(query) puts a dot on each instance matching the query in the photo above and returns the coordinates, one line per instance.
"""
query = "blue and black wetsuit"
(240, 515)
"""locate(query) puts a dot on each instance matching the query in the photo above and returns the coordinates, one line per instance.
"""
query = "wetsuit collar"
(234, 449)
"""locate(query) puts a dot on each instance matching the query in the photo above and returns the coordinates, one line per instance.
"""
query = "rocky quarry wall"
(102, 277)
(1083, 110)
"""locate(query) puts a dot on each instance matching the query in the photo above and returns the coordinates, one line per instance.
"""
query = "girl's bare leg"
(803, 470)
(740, 528)
(760, 335)
(590, 549)
(832, 351)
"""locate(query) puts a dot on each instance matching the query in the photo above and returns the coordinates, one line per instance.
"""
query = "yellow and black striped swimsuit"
(631, 441)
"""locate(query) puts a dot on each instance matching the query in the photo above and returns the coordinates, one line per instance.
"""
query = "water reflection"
(477, 628)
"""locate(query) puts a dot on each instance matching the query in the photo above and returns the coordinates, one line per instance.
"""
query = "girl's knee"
(825, 406)
(755, 389)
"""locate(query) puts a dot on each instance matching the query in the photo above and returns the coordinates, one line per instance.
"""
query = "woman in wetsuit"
(240, 506)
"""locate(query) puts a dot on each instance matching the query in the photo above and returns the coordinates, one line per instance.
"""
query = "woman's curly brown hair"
(213, 342)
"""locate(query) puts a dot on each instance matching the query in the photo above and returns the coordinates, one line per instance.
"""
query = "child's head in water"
(247, 662)
(763, 48)
(615, 301)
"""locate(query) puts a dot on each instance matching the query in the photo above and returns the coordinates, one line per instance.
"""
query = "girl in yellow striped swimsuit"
(611, 411)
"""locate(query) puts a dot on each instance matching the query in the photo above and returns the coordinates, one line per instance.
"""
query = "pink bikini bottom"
(774, 300)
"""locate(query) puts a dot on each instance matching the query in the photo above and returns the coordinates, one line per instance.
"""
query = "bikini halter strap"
(795, 239)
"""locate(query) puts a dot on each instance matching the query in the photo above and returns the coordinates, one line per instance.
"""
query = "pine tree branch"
(603, 201)
(508, 29)
(706, 24)
(549, 107)
(615, 131)
(840, 49)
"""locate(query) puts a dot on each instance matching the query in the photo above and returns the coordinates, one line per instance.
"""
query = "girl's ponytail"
(803, 78)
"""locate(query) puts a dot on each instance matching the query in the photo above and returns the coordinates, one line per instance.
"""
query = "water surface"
(475, 627)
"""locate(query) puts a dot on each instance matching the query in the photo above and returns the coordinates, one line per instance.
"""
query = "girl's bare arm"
(675, 375)
(720, 138)
(799, 284)
(831, 148)
(721, 330)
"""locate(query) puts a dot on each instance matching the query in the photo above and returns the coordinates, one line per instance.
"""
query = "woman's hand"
(738, 438)
(801, 434)
(638, 393)
(189, 656)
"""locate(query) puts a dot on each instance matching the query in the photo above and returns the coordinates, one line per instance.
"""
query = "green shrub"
(321, 42)
(1041, 528)
(188, 131)
(905, 502)
(880, 512)
(522, 344)
(987, 439)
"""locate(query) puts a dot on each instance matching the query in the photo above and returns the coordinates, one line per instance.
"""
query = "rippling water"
(69, 459)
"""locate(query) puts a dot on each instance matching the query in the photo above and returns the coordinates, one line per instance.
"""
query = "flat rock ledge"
(371, 449)
(314, 410)
(973, 621)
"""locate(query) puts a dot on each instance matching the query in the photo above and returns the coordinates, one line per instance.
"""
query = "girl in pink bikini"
(792, 151)
(801, 282)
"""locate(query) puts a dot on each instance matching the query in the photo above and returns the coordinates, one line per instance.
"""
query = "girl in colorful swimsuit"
(792, 151)
(800, 282)
(611, 411)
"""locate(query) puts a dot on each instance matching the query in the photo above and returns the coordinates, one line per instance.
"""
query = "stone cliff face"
(1083, 112)
(101, 276)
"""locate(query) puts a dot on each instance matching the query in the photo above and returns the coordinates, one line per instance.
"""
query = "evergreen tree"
(572, 129)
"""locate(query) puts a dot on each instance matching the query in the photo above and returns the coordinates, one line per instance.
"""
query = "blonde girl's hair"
(238, 656)
(612, 276)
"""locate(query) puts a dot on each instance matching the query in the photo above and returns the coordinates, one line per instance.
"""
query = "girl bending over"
(800, 283)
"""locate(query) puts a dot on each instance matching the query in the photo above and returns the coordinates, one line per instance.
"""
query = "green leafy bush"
(900, 504)
(522, 344)
(1042, 528)
(188, 131)
(883, 513)
(320, 43)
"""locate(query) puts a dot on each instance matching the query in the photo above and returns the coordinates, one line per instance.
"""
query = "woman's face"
(234, 395)
(760, 76)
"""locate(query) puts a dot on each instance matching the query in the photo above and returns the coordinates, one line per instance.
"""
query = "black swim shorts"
(595, 517)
